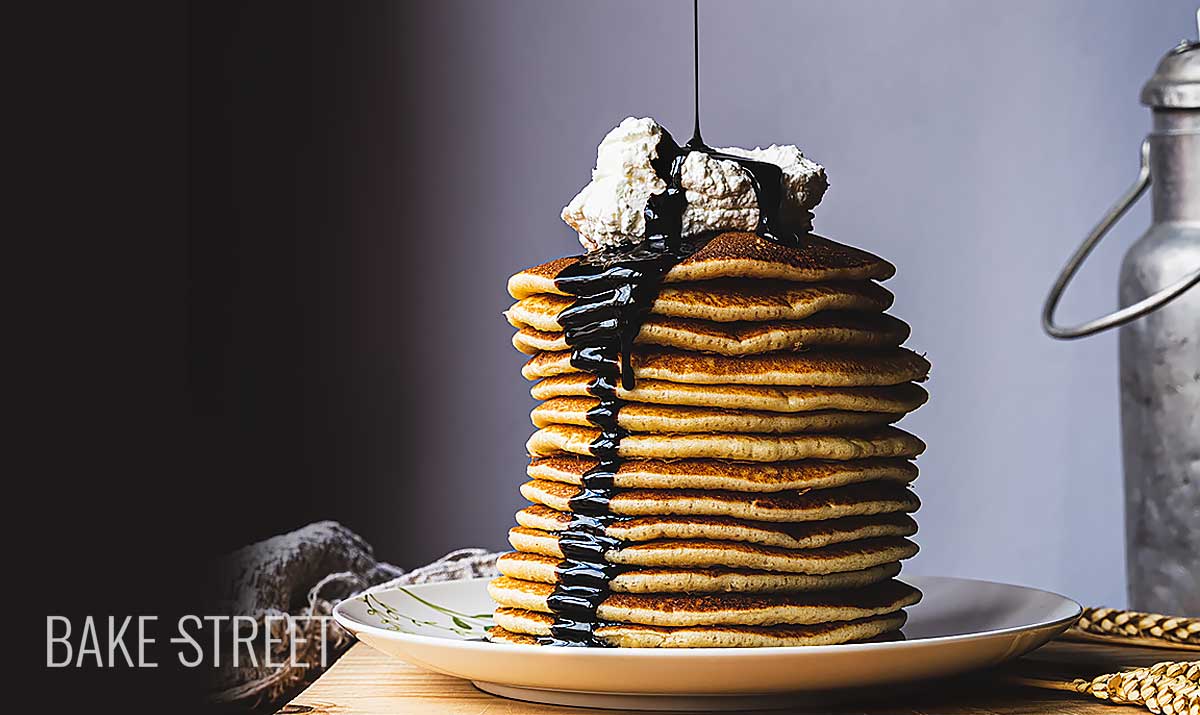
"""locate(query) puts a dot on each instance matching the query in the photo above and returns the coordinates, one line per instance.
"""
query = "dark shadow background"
(298, 373)
(202, 185)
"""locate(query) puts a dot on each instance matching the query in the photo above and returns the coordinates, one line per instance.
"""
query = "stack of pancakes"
(763, 496)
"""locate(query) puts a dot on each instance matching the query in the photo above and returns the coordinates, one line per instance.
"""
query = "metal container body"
(1160, 382)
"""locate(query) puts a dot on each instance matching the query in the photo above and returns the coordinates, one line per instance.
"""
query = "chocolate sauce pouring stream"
(696, 141)
(614, 289)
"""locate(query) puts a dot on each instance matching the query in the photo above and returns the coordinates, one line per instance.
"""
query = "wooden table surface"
(366, 681)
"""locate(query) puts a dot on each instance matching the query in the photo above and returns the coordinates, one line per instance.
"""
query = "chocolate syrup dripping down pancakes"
(715, 462)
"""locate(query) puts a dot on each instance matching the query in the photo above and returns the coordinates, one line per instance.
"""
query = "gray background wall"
(971, 143)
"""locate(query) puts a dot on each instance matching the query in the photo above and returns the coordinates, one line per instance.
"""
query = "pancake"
(521, 627)
(814, 505)
(739, 254)
(804, 535)
(544, 569)
(708, 553)
(724, 301)
(712, 474)
(758, 496)
(807, 369)
(838, 330)
(887, 442)
(638, 417)
(743, 609)
(891, 398)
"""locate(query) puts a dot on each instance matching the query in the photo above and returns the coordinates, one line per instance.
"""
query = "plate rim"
(355, 627)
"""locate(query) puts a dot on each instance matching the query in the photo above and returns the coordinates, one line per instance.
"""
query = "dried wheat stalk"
(1136, 627)
(1171, 688)
(1167, 688)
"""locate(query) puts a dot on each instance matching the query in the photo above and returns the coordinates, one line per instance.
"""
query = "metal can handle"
(1129, 313)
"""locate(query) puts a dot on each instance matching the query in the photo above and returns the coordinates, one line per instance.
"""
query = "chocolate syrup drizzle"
(614, 289)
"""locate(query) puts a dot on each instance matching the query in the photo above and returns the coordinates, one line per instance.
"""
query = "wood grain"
(366, 682)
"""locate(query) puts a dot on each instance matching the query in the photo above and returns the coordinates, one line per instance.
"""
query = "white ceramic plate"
(960, 625)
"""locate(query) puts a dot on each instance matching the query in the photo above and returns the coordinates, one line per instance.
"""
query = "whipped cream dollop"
(610, 210)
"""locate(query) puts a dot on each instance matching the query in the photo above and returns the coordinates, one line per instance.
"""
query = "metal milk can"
(1160, 346)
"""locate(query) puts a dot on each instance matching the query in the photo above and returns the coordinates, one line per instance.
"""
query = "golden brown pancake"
(811, 369)
(724, 301)
(730, 476)
(738, 254)
(516, 626)
(786, 535)
(814, 505)
(688, 579)
(744, 609)
(833, 330)
(638, 417)
(887, 442)
(890, 398)
(710, 553)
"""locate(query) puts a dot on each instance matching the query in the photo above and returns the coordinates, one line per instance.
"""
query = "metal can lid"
(1176, 82)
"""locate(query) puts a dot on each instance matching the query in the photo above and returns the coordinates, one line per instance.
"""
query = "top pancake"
(737, 254)
(725, 301)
